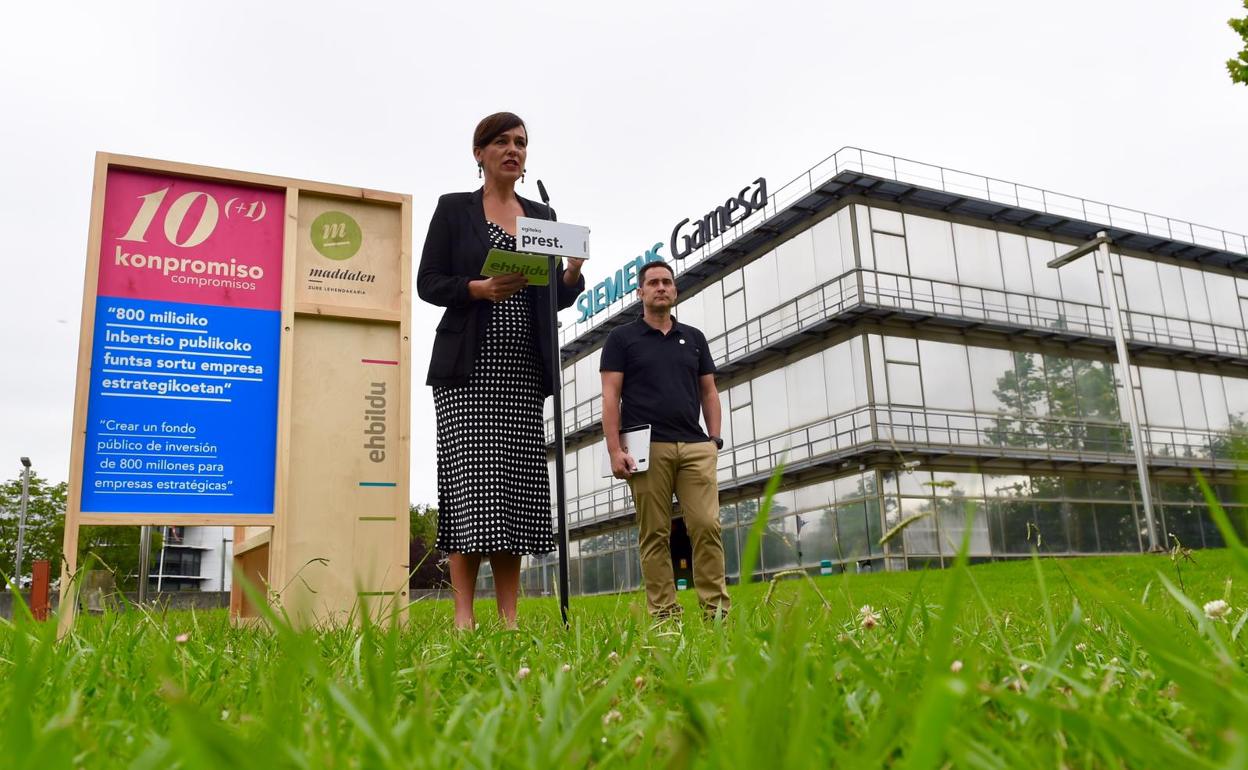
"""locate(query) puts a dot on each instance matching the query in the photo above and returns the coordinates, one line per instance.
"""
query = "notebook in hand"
(635, 441)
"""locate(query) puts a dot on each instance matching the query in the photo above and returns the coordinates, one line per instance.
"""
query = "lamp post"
(1099, 247)
(145, 557)
(21, 522)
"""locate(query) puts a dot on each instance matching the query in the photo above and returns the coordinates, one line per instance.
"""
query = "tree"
(45, 523)
(1238, 67)
(424, 522)
(115, 548)
(428, 570)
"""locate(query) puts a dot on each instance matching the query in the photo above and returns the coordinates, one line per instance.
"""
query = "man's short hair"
(641, 274)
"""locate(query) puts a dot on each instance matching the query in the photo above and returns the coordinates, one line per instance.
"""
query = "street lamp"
(21, 522)
(1099, 247)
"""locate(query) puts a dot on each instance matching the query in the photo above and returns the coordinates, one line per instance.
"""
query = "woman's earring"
(480, 171)
(522, 176)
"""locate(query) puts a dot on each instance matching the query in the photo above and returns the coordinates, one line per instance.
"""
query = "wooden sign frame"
(381, 309)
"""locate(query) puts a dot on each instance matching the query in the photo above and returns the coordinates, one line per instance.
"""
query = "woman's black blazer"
(454, 252)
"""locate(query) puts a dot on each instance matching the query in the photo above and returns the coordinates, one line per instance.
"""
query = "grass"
(1098, 662)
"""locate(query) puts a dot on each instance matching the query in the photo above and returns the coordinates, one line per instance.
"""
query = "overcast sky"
(639, 114)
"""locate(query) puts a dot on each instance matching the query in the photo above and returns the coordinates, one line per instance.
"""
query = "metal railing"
(906, 429)
(929, 296)
(954, 182)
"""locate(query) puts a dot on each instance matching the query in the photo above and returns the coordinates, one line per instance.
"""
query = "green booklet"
(499, 262)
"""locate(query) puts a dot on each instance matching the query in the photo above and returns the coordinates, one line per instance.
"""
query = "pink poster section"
(174, 239)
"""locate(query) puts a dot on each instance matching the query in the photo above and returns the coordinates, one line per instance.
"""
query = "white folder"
(635, 441)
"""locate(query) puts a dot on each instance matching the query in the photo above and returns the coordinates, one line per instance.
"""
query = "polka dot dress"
(493, 488)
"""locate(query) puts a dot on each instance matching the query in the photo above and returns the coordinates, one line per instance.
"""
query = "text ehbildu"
(375, 422)
(685, 240)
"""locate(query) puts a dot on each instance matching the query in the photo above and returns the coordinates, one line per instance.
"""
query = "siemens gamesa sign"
(687, 236)
(605, 293)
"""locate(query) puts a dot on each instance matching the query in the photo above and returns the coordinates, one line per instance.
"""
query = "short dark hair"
(493, 125)
(641, 274)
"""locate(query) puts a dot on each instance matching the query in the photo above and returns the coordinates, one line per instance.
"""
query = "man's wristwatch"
(719, 442)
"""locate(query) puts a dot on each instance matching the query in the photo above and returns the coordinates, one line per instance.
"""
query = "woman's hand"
(573, 273)
(497, 288)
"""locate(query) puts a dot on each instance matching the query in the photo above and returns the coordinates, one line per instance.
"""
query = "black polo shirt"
(661, 373)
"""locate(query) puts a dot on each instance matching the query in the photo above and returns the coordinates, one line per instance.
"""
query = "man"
(658, 371)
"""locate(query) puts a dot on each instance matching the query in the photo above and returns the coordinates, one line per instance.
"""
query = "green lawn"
(1080, 663)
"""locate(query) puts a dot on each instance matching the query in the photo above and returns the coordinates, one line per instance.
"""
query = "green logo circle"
(336, 235)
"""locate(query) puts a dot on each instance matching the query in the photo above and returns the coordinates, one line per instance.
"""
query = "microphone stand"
(556, 373)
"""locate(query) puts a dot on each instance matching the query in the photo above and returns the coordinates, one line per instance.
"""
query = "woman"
(490, 372)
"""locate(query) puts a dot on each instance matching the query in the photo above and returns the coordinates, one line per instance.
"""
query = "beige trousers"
(688, 469)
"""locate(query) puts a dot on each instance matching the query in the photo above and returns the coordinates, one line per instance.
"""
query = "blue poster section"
(182, 414)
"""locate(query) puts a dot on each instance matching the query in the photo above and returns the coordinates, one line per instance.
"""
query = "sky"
(639, 115)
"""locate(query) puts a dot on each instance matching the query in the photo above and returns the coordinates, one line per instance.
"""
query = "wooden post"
(40, 573)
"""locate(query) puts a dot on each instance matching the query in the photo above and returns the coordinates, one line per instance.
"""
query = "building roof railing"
(891, 434)
(877, 294)
(854, 171)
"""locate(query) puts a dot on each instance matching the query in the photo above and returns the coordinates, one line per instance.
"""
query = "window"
(904, 384)
(886, 221)
(770, 404)
(1237, 401)
(712, 310)
(1194, 292)
(951, 513)
(930, 243)
(1096, 389)
(1171, 280)
(1080, 524)
(830, 248)
(1029, 387)
(742, 425)
(851, 525)
(762, 288)
(795, 266)
(862, 217)
(1161, 397)
(1193, 403)
(818, 535)
(734, 309)
(1013, 518)
(979, 261)
(732, 557)
(901, 349)
(1117, 527)
(1052, 532)
(1061, 387)
(845, 378)
(1079, 281)
(1215, 402)
(890, 254)
(992, 372)
(919, 537)
(1223, 299)
(1143, 290)
(692, 311)
(1045, 279)
(1014, 264)
(946, 376)
(806, 404)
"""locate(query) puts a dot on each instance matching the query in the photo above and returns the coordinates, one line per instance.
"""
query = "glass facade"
(878, 335)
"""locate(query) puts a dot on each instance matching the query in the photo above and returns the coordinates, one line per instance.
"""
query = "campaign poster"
(182, 409)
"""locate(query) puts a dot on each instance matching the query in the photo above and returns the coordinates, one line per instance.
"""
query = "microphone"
(541, 190)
